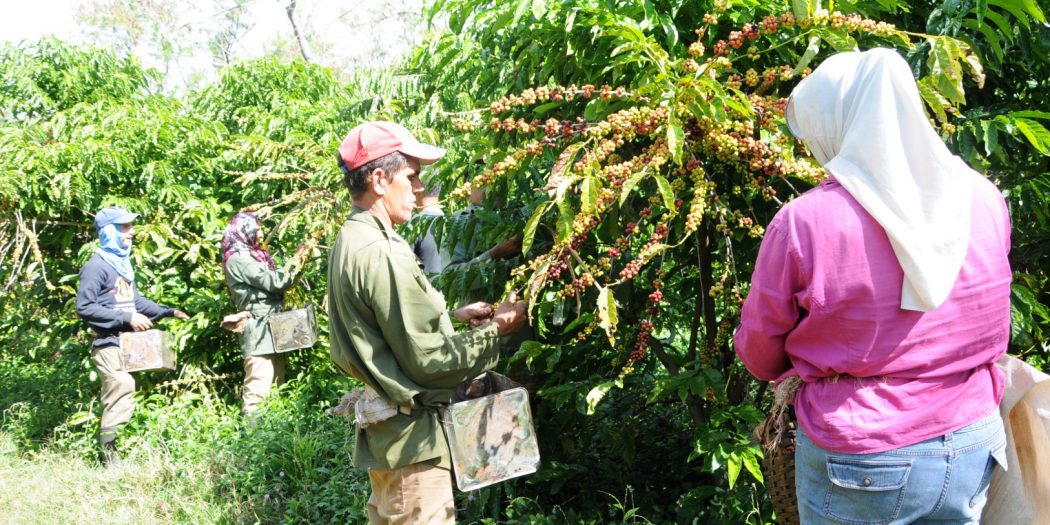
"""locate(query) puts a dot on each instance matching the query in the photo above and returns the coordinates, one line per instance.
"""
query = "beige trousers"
(118, 388)
(414, 494)
(260, 373)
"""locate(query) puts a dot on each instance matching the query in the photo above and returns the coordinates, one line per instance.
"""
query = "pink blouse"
(825, 305)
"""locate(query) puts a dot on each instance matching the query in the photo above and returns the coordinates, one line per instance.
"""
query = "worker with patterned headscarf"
(257, 287)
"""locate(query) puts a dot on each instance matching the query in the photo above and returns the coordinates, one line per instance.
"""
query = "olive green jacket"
(259, 290)
(389, 328)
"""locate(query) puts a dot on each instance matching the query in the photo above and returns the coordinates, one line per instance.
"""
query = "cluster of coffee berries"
(586, 332)
(641, 342)
(701, 187)
(770, 25)
(696, 49)
(630, 271)
(738, 292)
(558, 129)
(579, 284)
(463, 125)
(534, 265)
(631, 122)
(736, 39)
(647, 251)
(653, 156)
(751, 77)
(556, 93)
(748, 224)
(554, 272)
(599, 154)
(751, 31)
(617, 173)
(582, 227)
(499, 169)
(553, 126)
(511, 125)
(655, 298)
(852, 22)
(768, 109)
(745, 153)
(23, 237)
(721, 49)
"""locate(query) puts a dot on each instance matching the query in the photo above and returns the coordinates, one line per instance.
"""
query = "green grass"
(49, 487)
(189, 456)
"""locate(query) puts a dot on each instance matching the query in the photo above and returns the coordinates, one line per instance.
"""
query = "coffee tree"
(638, 149)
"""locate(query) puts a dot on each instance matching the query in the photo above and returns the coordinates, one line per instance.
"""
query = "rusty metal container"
(293, 329)
(147, 351)
(491, 437)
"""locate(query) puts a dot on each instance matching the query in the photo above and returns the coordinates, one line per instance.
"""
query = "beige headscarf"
(861, 116)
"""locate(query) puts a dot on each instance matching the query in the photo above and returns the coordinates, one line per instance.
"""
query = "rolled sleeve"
(771, 310)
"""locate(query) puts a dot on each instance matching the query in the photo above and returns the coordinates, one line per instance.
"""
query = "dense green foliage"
(641, 209)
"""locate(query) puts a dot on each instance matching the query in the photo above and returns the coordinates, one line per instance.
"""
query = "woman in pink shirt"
(886, 290)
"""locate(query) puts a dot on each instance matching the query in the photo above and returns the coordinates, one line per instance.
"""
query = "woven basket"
(778, 468)
(776, 435)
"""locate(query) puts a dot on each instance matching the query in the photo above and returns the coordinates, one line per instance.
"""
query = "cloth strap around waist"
(370, 393)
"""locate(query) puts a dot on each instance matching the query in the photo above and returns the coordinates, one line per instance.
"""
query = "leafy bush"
(642, 207)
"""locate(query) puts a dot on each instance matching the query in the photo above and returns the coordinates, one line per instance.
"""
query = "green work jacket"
(259, 290)
(390, 329)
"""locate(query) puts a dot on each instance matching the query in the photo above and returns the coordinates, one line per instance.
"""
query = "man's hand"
(509, 315)
(179, 314)
(301, 253)
(474, 314)
(508, 248)
(140, 322)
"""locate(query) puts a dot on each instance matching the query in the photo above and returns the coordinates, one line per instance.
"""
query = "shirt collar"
(362, 216)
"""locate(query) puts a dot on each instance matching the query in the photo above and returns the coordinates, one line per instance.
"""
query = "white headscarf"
(861, 116)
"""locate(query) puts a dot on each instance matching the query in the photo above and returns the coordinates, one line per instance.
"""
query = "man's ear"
(377, 179)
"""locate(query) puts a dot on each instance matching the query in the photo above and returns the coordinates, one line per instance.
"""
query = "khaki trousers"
(414, 494)
(118, 389)
(260, 373)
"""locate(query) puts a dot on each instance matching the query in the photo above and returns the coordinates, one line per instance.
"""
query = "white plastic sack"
(372, 408)
(235, 322)
(1021, 495)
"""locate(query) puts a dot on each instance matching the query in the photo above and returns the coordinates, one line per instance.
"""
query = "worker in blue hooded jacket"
(109, 302)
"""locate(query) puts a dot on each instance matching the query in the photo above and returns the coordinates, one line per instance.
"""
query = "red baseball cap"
(371, 140)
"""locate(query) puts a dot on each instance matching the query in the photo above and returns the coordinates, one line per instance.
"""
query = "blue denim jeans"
(941, 480)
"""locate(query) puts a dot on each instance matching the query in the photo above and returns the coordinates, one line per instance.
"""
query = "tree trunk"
(299, 38)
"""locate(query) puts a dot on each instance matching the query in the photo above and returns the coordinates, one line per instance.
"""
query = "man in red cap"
(389, 328)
